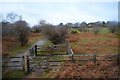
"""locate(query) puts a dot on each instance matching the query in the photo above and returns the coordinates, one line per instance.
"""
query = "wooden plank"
(44, 50)
(42, 55)
(13, 57)
(106, 54)
(77, 55)
(59, 55)
(105, 60)
(12, 61)
(58, 65)
(92, 60)
(84, 60)
(94, 54)
(59, 60)
(59, 51)
(12, 66)
(51, 50)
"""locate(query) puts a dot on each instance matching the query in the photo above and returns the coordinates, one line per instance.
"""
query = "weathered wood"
(118, 59)
(12, 66)
(47, 63)
(59, 55)
(42, 54)
(13, 57)
(31, 52)
(35, 50)
(59, 65)
(94, 58)
(11, 61)
(44, 50)
(26, 61)
(70, 53)
(23, 64)
(72, 58)
(59, 60)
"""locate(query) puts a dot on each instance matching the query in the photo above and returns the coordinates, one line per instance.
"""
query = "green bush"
(75, 31)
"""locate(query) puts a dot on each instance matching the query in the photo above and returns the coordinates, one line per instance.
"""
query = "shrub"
(75, 31)
(96, 30)
(113, 29)
(22, 30)
(56, 34)
(36, 29)
(83, 29)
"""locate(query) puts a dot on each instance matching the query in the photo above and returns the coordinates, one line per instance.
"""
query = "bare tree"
(42, 22)
(83, 27)
(96, 30)
(56, 34)
(113, 26)
(22, 30)
(12, 17)
(36, 28)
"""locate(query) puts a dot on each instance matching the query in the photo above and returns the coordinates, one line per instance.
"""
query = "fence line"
(71, 55)
(5, 63)
(94, 59)
(26, 62)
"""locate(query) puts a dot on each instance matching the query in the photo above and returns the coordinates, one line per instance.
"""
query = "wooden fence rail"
(71, 57)
(50, 63)
(23, 63)
(94, 59)
(5, 63)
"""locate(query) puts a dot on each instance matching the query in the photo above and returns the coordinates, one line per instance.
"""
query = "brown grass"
(104, 69)
(12, 42)
(91, 43)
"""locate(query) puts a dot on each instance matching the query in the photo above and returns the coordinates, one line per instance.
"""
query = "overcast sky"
(57, 12)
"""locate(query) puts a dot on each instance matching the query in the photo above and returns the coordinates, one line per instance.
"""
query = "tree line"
(13, 25)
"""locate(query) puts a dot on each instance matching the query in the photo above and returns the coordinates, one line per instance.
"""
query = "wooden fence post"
(118, 60)
(30, 52)
(47, 63)
(35, 50)
(23, 64)
(72, 58)
(94, 58)
(26, 61)
(67, 51)
(52, 48)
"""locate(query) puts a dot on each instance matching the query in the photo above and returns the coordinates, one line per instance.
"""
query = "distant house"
(91, 25)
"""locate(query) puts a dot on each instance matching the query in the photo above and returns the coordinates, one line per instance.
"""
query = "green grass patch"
(20, 49)
(74, 31)
(104, 31)
(13, 74)
(56, 58)
(47, 44)
(101, 30)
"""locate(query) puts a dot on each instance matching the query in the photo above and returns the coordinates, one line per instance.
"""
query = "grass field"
(91, 43)
(102, 43)
(11, 45)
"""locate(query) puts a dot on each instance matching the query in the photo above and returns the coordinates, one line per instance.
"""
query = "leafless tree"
(56, 34)
(22, 30)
